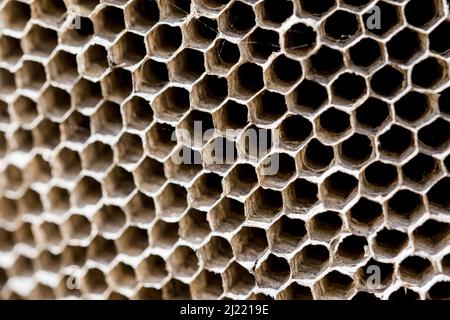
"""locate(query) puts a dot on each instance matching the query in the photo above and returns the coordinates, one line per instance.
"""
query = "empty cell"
(286, 234)
(429, 73)
(201, 31)
(171, 104)
(148, 294)
(138, 113)
(149, 176)
(107, 120)
(241, 180)
(325, 226)
(63, 68)
(309, 96)
(300, 39)
(39, 41)
(55, 102)
(119, 183)
(117, 85)
(159, 139)
(352, 250)
(163, 234)
(316, 156)
(49, 234)
(249, 244)
(276, 170)
(264, 204)
(439, 291)
(23, 140)
(437, 38)
(172, 201)
(335, 285)
(248, 80)
(176, 290)
(385, 276)
(152, 270)
(222, 56)
(422, 14)
(24, 235)
(94, 61)
(341, 26)
(372, 114)
(405, 46)
(128, 149)
(356, 150)
(141, 15)
(174, 9)
(7, 82)
(326, 62)
(237, 280)
(12, 177)
(216, 254)
(133, 241)
(275, 12)
(237, 19)
(184, 165)
(316, 8)
(152, 76)
(87, 192)
(395, 142)
(76, 128)
(391, 18)
(210, 92)
(334, 123)
(10, 50)
(272, 272)
(59, 200)
(128, 50)
(122, 276)
(183, 262)
(338, 189)
(283, 73)
(420, 169)
(256, 143)
(219, 155)
(380, 177)
(164, 40)
(294, 131)
(227, 215)
(415, 269)
(77, 227)
(389, 243)
(50, 11)
(262, 43)
(101, 250)
(432, 236)
(365, 215)
(94, 281)
(194, 226)
(67, 164)
(405, 206)
(295, 292)
(436, 135)
(81, 34)
(366, 53)
(438, 195)
(38, 169)
(46, 135)
(15, 15)
(310, 261)
(206, 190)
(97, 156)
(25, 109)
(267, 107)
(187, 66)
(413, 107)
(349, 87)
(140, 209)
(231, 115)
(109, 220)
(108, 22)
(9, 211)
(207, 285)
(301, 195)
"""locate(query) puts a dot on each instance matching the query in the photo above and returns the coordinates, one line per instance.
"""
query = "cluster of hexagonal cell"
(100, 99)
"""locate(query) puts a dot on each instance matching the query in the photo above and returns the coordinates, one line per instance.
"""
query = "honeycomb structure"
(93, 92)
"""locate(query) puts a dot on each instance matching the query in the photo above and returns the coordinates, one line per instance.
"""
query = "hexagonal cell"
(194, 226)
(222, 56)
(77, 227)
(39, 41)
(76, 128)
(437, 196)
(380, 177)
(421, 170)
(423, 14)
(59, 200)
(396, 143)
(206, 190)
(97, 156)
(101, 250)
(247, 80)
(216, 254)
(160, 139)
(415, 269)
(86, 94)
(413, 107)
(51, 12)
(94, 61)
(255, 143)
(94, 281)
(109, 220)
(164, 40)
(286, 235)
(140, 209)
(237, 19)
(237, 280)
(435, 135)
(437, 38)
(249, 244)
(333, 124)
(183, 262)
(386, 275)
(325, 226)
(184, 165)
(133, 241)
(335, 285)
(7, 82)
(49, 234)
(372, 114)
(67, 164)
(300, 195)
(187, 66)
(356, 150)
(63, 68)
(389, 243)
(227, 215)
(231, 116)
(365, 215)
(405, 207)
(300, 39)
(9, 211)
(171, 104)
(201, 31)
(82, 33)
(273, 272)
(141, 15)
(432, 236)
(174, 10)
(264, 205)
(277, 170)
(88, 191)
(207, 285)
(38, 170)
(23, 140)
(267, 107)
(55, 102)
(310, 261)
(172, 201)
(429, 73)
(406, 46)
(122, 276)
(148, 294)
(325, 62)
(308, 97)
(241, 180)
(348, 87)
(128, 50)
(261, 44)
(152, 270)
(108, 22)
(366, 54)
(439, 291)
(283, 73)
(315, 8)
(151, 76)
(117, 85)
(129, 149)
(210, 92)
(119, 183)
(164, 234)
(149, 176)
(46, 135)
(338, 189)
(175, 289)
(294, 131)
(316, 157)
(12, 177)
(382, 27)
(341, 27)
(107, 120)
(351, 250)
(15, 15)
(219, 155)
(295, 292)
(10, 50)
